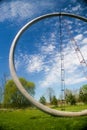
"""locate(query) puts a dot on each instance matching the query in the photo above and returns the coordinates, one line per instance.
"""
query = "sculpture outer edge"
(16, 80)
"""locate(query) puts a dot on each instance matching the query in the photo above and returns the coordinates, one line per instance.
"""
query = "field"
(33, 119)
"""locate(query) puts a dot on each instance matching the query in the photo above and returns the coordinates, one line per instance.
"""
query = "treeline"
(70, 97)
(10, 96)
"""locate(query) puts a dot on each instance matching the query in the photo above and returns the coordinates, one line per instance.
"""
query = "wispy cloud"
(48, 49)
(35, 63)
(76, 8)
(21, 10)
(47, 61)
(16, 9)
(72, 73)
(79, 37)
(84, 41)
(17, 64)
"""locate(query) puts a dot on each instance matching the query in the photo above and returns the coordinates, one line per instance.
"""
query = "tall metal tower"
(62, 63)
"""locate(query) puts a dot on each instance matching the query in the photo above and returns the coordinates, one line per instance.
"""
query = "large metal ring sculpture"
(16, 80)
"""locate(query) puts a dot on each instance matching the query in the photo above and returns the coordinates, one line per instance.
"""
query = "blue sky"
(37, 56)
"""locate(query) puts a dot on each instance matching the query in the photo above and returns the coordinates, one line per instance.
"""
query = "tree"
(42, 100)
(83, 93)
(13, 97)
(69, 97)
(54, 101)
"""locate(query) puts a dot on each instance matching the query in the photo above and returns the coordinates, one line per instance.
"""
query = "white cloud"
(85, 32)
(35, 63)
(17, 63)
(72, 72)
(84, 51)
(21, 10)
(52, 77)
(84, 41)
(16, 9)
(76, 8)
(51, 68)
(48, 60)
(75, 80)
(79, 37)
(48, 48)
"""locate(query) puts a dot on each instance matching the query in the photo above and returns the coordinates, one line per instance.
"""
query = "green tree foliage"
(13, 97)
(83, 93)
(54, 101)
(42, 100)
(69, 97)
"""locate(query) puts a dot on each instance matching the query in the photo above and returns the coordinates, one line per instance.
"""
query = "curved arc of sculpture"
(16, 80)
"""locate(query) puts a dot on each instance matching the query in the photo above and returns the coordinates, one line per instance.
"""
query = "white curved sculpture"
(16, 80)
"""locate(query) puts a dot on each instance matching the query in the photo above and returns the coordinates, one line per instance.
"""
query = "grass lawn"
(73, 107)
(33, 119)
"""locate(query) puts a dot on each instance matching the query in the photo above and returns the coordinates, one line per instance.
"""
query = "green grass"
(73, 107)
(33, 119)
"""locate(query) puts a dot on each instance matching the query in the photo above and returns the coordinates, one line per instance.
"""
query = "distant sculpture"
(16, 80)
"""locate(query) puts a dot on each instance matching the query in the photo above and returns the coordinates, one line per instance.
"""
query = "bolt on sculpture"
(16, 80)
